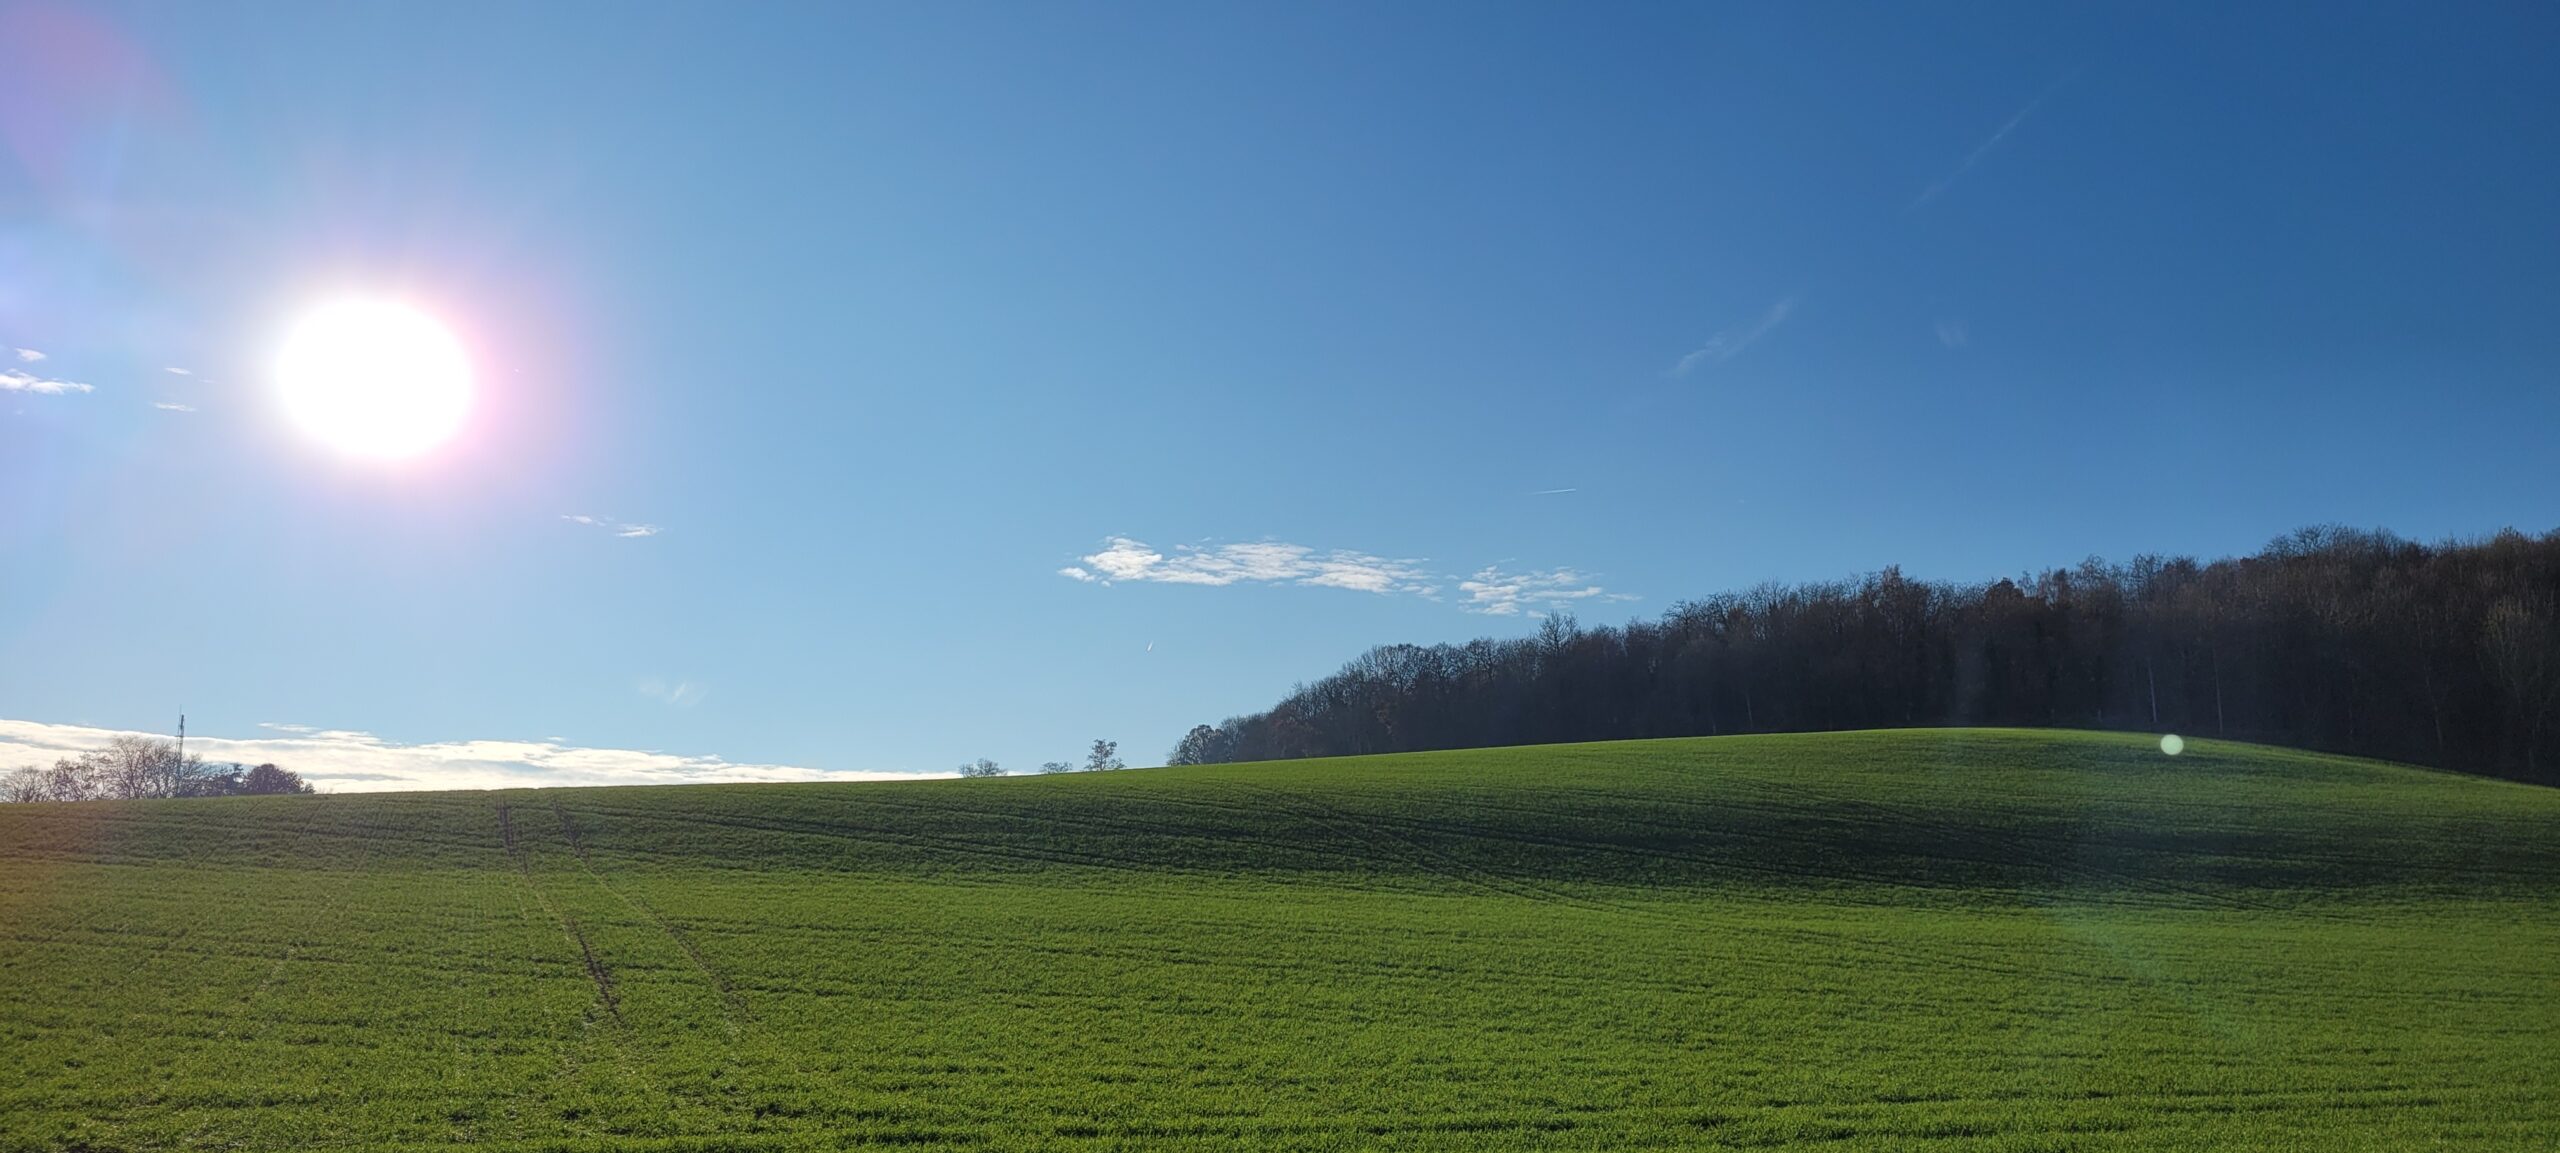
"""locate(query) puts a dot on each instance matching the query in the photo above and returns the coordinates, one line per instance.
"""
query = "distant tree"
(1056, 767)
(136, 768)
(981, 767)
(23, 786)
(129, 768)
(1203, 745)
(268, 780)
(224, 782)
(73, 780)
(1105, 755)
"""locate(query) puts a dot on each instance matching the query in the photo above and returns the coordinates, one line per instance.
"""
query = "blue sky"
(848, 328)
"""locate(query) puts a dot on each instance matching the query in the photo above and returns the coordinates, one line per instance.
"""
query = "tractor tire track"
(597, 971)
(733, 1003)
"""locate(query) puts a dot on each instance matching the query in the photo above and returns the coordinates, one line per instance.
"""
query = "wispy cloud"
(681, 694)
(1269, 562)
(1554, 491)
(1490, 590)
(1493, 592)
(1729, 343)
(29, 355)
(172, 406)
(1984, 149)
(620, 528)
(15, 380)
(1952, 334)
(345, 760)
(180, 372)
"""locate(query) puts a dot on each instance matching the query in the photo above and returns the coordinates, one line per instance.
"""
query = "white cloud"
(1554, 491)
(627, 529)
(343, 760)
(13, 380)
(681, 694)
(1493, 592)
(29, 355)
(181, 372)
(172, 406)
(1729, 343)
(1270, 562)
(1952, 334)
(1984, 149)
(1490, 590)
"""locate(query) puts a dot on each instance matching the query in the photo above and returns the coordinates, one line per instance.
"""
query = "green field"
(1927, 939)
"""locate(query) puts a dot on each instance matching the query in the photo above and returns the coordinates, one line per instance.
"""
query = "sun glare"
(375, 379)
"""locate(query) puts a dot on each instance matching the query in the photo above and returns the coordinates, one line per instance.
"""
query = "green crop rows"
(1943, 939)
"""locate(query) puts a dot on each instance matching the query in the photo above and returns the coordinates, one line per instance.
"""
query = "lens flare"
(375, 379)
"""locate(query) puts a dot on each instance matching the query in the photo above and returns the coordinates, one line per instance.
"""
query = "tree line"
(139, 768)
(1103, 757)
(2329, 638)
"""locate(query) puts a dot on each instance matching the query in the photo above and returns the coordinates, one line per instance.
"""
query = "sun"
(375, 379)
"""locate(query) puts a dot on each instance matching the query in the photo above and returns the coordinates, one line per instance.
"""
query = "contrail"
(1975, 157)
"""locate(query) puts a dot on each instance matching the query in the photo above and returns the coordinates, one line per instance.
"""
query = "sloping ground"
(2013, 940)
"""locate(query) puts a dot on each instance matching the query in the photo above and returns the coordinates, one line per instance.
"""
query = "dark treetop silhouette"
(2329, 638)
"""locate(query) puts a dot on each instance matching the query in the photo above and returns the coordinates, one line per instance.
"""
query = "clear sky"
(838, 368)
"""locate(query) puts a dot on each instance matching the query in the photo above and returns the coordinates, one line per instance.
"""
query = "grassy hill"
(1959, 939)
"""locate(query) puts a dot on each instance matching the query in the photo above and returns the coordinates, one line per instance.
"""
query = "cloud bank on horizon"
(348, 761)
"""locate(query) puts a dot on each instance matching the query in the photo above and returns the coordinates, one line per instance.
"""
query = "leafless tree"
(23, 786)
(2523, 651)
(142, 768)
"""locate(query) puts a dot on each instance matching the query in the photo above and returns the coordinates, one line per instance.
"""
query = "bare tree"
(70, 780)
(24, 786)
(1105, 755)
(1056, 767)
(143, 768)
(2522, 645)
(130, 768)
(981, 767)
